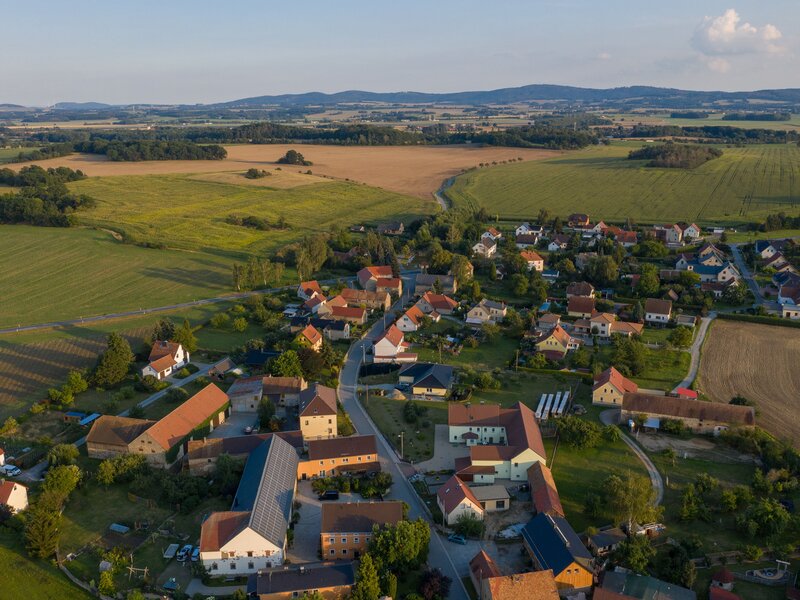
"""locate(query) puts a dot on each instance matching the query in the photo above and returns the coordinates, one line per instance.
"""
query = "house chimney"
(302, 570)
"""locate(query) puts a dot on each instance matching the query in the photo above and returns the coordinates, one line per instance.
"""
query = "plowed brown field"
(759, 362)
(413, 170)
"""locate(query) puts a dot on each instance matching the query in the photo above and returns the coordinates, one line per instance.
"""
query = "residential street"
(705, 322)
(747, 275)
(439, 556)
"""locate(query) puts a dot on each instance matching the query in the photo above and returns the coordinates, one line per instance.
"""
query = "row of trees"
(675, 156)
(257, 273)
(152, 150)
(722, 134)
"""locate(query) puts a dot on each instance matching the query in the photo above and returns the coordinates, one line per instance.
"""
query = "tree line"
(675, 156)
(757, 117)
(51, 151)
(43, 198)
(152, 150)
(723, 134)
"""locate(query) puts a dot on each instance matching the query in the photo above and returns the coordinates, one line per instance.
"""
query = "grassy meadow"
(714, 120)
(744, 185)
(188, 212)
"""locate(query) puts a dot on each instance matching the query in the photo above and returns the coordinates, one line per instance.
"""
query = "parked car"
(248, 430)
(457, 539)
(196, 554)
(184, 553)
(329, 495)
(10, 470)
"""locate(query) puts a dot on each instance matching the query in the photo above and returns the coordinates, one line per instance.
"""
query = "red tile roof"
(535, 585)
(580, 304)
(309, 287)
(530, 256)
(180, 422)
(390, 282)
(543, 490)
(349, 312)
(6, 487)
(163, 363)
(393, 334)
(615, 378)
(685, 408)
(659, 307)
(439, 301)
(686, 393)
(454, 492)
(220, 527)
(163, 348)
(482, 566)
(722, 576)
(415, 315)
(311, 335)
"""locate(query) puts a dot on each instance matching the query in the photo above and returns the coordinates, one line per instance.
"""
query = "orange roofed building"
(165, 358)
(610, 387)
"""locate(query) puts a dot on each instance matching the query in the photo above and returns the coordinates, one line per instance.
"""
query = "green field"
(9, 154)
(714, 120)
(744, 185)
(53, 274)
(24, 577)
(185, 212)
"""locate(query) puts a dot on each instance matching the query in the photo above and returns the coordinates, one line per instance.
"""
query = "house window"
(233, 566)
(331, 540)
(250, 553)
(306, 421)
(322, 462)
(250, 566)
(355, 540)
(500, 504)
(359, 459)
(345, 460)
(344, 540)
(330, 421)
(332, 551)
(214, 566)
(344, 552)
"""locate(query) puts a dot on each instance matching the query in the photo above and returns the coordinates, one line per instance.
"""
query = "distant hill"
(528, 93)
(80, 106)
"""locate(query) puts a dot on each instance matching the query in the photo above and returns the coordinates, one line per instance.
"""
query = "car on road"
(184, 553)
(10, 470)
(196, 554)
(457, 539)
(248, 430)
(329, 495)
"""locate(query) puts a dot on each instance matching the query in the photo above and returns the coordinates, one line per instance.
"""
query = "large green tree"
(367, 586)
(287, 365)
(630, 498)
(634, 553)
(184, 335)
(114, 363)
(42, 527)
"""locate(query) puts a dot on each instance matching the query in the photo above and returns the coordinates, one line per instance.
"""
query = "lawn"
(529, 387)
(183, 211)
(225, 340)
(489, 355)
(664, 369)
(744, 589)
(56, 274)
(744, 185)
(24, 577)
(418, 438)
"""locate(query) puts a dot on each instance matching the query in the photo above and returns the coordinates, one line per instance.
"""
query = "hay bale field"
(27, 370)
(745, 184)
(414, 170)
(760, 363)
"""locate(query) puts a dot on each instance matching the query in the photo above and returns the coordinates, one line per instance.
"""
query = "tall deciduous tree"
(287, 365)
(114, 363)
(630, 498)
(184, 335)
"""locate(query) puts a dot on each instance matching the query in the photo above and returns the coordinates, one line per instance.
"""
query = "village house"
(765, 249)
(318, 410)
(316, 304)
(610, 387)
(626, 238)
(558, 242)
(111, 436)
(669, 234)
(390, 285)
(535, 585)
(580, 289)
(533, 261)
(553, 545)
(426, 282)
(657, 311)
(355, 315)
(346, 527)
(201, 455)
(373, 300)
(582, 259)
(605, 541)
(331, 580)
(13, 495)
(245, 394)
(526, 240)
(581, 306)
(413, 319)
(578, 220)
(789, 299)
(482, 567)
(487, 311)
(368, 276)
(334, 456)
(332, 330)
(492, 234)
(633, 586)
(503, 442)
(308, 289)
(604, 325)
(486, 247)
(527, 228)
(165, 358)
(544, 494)
(283, 391)
(252, 535)
(492, 498)
(698, 416)
(391, 347)
(555, 343)
(310, 338)
(723, 579)
(439, 303)
(690, 232)
(391, 228)
(548, 321)
(427, 379)
(454, 498)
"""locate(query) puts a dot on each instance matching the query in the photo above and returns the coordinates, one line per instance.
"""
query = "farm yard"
(744, 185)
(416, 171)
(758, 362)
(195, 216)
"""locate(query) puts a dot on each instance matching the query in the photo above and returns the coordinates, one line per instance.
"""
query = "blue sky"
(199, 51)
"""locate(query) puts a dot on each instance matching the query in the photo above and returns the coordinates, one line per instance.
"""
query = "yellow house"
(318, 413)
(610, 386)
(310, 337)
(556, 341)
(554, 545)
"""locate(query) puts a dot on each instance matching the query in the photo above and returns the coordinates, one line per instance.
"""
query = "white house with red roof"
(533, 260)
(430, 302)
(307, 289)
(368, 276)
(455, 499)
(486, 247)
(315, 303)
(13, 495)
(391, 347)
(165, 358)
(413, 317)
(492, 233)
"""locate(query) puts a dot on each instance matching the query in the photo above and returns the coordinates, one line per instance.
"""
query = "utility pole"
(401, 435)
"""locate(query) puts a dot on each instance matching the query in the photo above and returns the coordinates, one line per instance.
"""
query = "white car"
(10, 470)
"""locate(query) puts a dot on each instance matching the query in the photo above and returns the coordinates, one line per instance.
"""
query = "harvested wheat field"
(759, 362)
(27, 370)
(414, 170)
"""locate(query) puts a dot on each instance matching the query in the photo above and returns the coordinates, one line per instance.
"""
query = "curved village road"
(438, 555)
(694, 365)
(609, 417)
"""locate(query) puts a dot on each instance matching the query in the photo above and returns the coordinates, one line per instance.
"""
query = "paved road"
(438, 555)
(705, 322)
(610, 417)
(747, 275)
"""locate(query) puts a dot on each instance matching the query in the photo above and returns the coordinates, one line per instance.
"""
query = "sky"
(197, 51)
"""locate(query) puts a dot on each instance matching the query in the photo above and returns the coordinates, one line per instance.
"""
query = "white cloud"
(726, 35)
(604, 56)
(718, 64)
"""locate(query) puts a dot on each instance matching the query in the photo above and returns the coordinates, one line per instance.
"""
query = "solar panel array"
(273, 504)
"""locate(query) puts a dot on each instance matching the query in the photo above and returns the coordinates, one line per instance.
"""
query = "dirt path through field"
(759, 362)
(414, 170)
